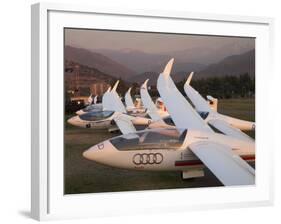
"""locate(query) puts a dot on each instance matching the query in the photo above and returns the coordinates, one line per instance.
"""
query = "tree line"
(225, 87)
(242, 86)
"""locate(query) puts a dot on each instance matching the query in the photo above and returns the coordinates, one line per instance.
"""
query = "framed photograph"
(138, 111)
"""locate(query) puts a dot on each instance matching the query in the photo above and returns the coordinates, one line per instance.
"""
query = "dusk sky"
(153, 42)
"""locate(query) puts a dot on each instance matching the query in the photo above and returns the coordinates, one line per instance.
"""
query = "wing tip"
(129, 90)
(168, 67)
(189, 78)
(144, 85)
(115, 86)
(108, 90)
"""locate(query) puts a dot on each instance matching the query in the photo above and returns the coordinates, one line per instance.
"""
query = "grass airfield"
(84, 176)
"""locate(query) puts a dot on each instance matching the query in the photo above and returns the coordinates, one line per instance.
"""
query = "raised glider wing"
(124, 121)
(158, 116)
(90, 99)
(201, 105)
(152, 110)
(114, 101)
(227, 166)
(95, 99)
(128, 99)
(105, 100)
(178, 107)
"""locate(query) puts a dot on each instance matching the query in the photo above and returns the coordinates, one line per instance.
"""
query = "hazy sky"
(151, 42)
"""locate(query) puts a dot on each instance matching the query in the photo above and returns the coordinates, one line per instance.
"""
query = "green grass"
(84, 176)
(239, 108)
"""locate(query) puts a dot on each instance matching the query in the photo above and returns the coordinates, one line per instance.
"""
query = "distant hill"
(105, 68)
(153, 76)
(136, 60)
(142, 62)
(232, 65)
(98, 61)
(87, 76)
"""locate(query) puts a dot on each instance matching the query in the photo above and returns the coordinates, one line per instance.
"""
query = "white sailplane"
(113, 108)
(188, 148)
(211, 116)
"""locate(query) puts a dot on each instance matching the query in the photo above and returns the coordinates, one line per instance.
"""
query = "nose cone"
(96, 151)
(100, 152)
(90, 153)
(80, 112)
(72, 120)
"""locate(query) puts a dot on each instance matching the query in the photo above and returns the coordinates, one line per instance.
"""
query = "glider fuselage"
(161, 150)
(102, 120)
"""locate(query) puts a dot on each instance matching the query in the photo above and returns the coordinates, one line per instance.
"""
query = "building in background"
(99, 88)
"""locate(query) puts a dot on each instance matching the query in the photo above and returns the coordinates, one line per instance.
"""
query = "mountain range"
(136, 66)
(195, 58)
(231, 65)
(142, 62)
(97, 61)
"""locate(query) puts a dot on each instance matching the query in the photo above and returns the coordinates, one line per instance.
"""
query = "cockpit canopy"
(92, 107)
(96, 115)
(150, 139)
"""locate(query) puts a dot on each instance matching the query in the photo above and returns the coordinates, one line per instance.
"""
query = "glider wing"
(229, 168)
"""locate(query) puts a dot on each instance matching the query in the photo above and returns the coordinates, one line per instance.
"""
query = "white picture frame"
(48, 200)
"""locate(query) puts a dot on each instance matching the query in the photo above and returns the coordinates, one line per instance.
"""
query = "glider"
(211, 116)
(189, 148)
(112, 111)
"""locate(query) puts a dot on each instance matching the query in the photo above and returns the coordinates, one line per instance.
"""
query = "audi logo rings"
(147, 158)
